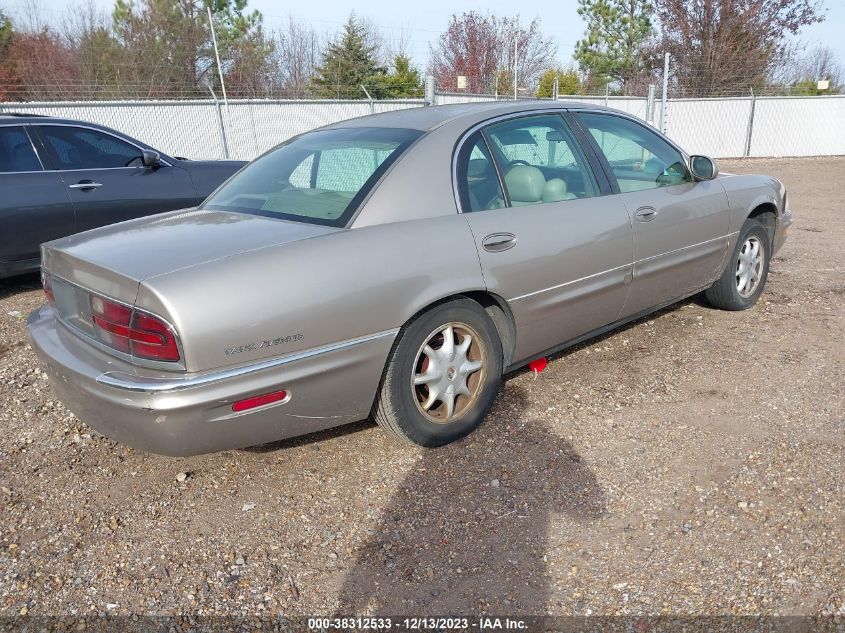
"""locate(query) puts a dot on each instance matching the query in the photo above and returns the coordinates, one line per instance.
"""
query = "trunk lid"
(114, 260)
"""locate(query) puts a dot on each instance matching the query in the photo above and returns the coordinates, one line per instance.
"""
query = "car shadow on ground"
(697, 300)
(467, 529)
(348, 429)
(20, 283)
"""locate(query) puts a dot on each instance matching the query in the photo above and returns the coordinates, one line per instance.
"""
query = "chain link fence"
(243, 129)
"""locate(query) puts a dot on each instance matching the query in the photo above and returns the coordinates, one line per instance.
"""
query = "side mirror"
(150, 158)
(703, 167)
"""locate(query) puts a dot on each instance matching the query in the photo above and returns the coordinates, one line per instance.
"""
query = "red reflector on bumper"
(259, 401)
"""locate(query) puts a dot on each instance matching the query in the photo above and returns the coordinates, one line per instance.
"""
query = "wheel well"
(502, 317)
(766, 214)
(498, 311)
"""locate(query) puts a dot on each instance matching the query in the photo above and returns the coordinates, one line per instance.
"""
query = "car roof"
(415, 118)
(430, 118)
(29, 117)
(22, 117)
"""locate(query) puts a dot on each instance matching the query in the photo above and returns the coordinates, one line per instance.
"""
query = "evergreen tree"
(404, 81)
(613, 49)
(568, 82)
(347, 63)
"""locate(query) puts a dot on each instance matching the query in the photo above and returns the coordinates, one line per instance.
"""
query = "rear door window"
(16, 152)
(479, 184)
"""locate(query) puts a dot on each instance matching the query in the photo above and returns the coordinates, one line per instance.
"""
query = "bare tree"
(29, 18)
(297, 52)
(728, 46)
(481, 48)
(398, 43)
(534, 52)
(819, 63)
(86, 31)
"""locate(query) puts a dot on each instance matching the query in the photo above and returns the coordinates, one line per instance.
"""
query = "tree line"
(165, 49)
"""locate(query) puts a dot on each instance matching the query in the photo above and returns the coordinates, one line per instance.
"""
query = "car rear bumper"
(188, 414)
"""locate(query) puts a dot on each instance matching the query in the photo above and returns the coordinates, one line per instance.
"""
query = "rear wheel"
(442, 375)
(743, 281)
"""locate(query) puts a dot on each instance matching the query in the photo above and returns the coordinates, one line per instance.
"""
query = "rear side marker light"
(132, 332)
(259, 401)
(47, 284)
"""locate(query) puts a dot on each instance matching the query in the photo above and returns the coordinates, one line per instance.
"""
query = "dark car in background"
(59, 177)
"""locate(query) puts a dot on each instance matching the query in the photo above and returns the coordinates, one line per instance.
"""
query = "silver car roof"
(430, 118)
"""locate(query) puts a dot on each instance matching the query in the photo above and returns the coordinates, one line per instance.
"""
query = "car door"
(106, 179)
(34, 207)
(549, 242)
(680, 226)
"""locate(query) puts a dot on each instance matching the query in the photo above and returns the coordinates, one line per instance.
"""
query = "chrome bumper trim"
(141, 384)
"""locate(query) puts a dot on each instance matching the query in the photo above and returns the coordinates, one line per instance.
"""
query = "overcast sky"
(422, 21)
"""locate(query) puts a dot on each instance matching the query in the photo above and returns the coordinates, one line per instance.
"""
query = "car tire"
(423, 374)
(744, 278)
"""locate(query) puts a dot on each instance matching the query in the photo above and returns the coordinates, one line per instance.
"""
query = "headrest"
(525, 183)
(555, 190)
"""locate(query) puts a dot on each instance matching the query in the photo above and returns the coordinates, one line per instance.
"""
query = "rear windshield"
(320, 177)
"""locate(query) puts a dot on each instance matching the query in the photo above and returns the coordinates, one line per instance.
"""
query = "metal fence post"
(221, 127)
(649, 106)
(370, 98)
(750, 129)
(429, 91)
(663, 98)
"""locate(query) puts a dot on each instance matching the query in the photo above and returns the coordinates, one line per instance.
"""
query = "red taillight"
(137, 333)
(47, 284)
(152, 338)
(259, 401)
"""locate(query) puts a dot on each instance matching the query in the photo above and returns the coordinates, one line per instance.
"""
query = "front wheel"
(743, 281)
(442, 376)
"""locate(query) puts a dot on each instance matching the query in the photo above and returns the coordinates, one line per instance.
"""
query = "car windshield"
(320, 177)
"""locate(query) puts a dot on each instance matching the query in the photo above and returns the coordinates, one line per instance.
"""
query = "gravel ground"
(690, 463)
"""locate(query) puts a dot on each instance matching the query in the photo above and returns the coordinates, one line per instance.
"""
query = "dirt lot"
(690, 463)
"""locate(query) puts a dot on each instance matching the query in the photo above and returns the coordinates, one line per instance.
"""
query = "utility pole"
(515, 43)
(555, 89)
(217, 56)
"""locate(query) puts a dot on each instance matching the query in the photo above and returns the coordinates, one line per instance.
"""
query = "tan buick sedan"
(395, 265)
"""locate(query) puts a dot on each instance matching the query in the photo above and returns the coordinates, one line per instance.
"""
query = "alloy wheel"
(448, 372)
(749, 267)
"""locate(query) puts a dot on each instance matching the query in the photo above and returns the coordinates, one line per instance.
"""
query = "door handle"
(646, 214)
(497, 242)
(86, 184)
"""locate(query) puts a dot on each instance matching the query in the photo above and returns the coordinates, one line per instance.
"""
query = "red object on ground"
(538, 365)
